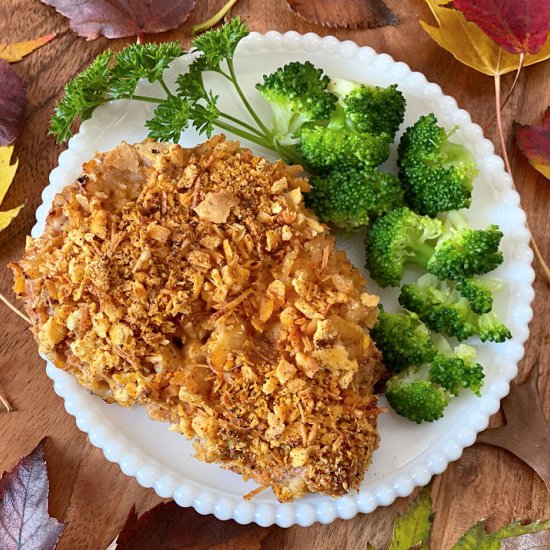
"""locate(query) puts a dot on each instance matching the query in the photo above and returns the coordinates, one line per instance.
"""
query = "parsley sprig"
(115, 76)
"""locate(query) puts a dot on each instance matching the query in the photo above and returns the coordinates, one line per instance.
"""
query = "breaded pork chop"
(194, 282)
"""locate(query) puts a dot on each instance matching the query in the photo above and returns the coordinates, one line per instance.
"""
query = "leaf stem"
(139, 98)
(536, 250)
(499, 125)
(165, 87)
(6, 403)
(249, 108)
(245, 135)
(516, 77)
(242, 123)
(14, 309)
(538, 255)
(214, 20)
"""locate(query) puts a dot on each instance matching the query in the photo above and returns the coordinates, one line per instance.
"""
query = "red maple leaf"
(13, 99)
(24, 519)
(118, 18)
(534, 142)
(515, 25)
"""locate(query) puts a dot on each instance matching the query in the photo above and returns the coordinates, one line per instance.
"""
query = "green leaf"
(477, 538)
(171, 118)
(412, 529)
(83, 94)
(190, 84)
(219, 44)
(141, 61)
(205, 116)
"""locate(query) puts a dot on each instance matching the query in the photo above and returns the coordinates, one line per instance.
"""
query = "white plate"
(409, 455)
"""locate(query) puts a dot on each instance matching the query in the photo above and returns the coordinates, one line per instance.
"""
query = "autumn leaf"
(526, 433)
(352, 14)
(18, 50)
(7, 173)
(118, 18)
(24, 519)
(13, 99)
(167, 525)
(530, 541)
(515, 26)
(412, 529)
(477, 538)
(471, 46)
(534, 143)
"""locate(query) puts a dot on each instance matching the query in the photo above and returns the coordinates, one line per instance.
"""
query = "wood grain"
(90, 493)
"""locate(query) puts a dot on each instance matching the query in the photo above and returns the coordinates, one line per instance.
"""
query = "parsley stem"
(165, 87)
(139, 98)
(245, 135)
(242, 123)
(249, 108)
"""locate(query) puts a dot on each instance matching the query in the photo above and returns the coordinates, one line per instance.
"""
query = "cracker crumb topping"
(195, 283)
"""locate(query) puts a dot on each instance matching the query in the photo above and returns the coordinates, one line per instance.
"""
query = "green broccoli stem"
(423, 253)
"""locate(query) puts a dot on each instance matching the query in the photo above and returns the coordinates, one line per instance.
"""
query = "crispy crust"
(194, 282)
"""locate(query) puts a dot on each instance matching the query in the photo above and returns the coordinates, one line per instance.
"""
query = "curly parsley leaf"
(205, 116)
(191, 84)
(171, 118)
(83, 94)
(220, 44)
(141, 61)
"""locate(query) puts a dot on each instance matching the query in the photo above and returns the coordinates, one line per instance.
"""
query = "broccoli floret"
(328, 147)
(443, 309)
(352, 198)
(411, 394)
(437, 174)
(403, 340)
(297, 93)
(462, 252)
(403, 236)
(399, 237)
(371, 109)
(422, 393)
(479, 293)
(457, 371)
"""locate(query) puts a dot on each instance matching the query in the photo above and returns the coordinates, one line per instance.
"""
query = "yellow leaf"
(7, 173)
(17, 51)
(471, 46)
(7, 217)
(7, 170)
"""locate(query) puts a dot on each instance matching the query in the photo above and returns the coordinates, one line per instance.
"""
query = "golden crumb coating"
(194, 282)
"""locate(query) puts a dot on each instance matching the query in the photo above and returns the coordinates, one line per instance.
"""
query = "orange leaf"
(18, 50)
(534, 143)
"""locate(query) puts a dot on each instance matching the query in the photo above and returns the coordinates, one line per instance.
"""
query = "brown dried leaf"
(352, 14)
(24, 519)
(170, 527)
(13, 100)
(118, 18)
(526, 433)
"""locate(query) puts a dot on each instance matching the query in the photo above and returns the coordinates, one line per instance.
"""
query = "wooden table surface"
(91, 494)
